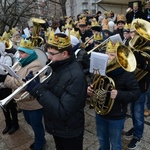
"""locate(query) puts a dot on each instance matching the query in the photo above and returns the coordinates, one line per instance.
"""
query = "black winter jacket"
(128, 91)
(138, 14)
(63, 98)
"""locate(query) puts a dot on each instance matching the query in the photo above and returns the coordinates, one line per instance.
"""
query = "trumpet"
(5, 101)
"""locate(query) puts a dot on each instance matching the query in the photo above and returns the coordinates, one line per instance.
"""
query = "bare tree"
(62, 4)
(14, 12)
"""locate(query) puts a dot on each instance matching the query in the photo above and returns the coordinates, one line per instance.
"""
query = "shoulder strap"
(76, 52)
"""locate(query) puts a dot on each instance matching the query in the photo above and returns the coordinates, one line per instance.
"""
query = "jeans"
(147, 94)
(109, 133)
(137, 114)
(34, 119)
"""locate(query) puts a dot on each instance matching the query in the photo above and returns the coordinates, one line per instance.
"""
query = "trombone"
(101, 44)
(5, 101)
(86, 43)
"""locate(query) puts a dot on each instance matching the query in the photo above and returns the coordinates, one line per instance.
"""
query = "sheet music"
(98, 62)
(27, 33)
(116, 38)
(10, 71)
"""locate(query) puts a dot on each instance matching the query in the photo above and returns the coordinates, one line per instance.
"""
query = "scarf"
(25, 61)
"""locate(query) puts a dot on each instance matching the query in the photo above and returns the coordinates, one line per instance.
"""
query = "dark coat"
(138, 14)
(143, 63)
(63, 97)
(128, 91)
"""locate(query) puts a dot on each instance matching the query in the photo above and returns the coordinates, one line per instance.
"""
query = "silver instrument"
(5, 101)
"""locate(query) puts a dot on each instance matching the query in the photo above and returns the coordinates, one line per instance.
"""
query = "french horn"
(102, 85)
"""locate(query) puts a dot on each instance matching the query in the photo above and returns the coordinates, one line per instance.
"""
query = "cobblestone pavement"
(23, 137)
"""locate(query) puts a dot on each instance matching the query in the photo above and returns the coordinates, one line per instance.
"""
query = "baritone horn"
(138, 43)
(102, 85)
(5, 101)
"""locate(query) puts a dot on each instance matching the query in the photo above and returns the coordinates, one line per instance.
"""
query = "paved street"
(21, 139)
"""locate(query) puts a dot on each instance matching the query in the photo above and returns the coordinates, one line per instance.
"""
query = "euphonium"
(138, 43)
(36, 29)
(103, 85)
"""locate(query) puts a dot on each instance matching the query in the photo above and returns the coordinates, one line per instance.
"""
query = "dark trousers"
(75, 143)
(11, 114)
(34, 119)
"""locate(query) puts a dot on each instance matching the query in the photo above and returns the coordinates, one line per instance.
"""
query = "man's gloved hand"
(33, 83)
(141, 60)
(2, 78)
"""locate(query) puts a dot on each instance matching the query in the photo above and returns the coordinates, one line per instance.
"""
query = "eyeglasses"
(50, 53)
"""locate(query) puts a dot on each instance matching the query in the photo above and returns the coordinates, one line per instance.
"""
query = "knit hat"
(26, 46)
(2, 48)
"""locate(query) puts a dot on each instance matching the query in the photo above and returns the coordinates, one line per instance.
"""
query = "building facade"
(75, 7)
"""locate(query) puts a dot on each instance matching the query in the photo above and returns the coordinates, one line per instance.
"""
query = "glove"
(141, 60)
(33, 83)
(29, 76)
(2, 78)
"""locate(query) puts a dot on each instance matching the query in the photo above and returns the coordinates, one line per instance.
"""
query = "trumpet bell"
(126, 58)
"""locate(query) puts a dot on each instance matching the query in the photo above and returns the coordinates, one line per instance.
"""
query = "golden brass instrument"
(101, 45)
(103, 85)
(138, 43)
(36, 29)
(6, 39)
(5, 101)
(86, 43)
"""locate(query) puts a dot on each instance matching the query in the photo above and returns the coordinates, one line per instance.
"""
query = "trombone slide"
(101, 44)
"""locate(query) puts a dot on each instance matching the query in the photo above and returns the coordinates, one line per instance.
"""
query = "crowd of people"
(61, 98)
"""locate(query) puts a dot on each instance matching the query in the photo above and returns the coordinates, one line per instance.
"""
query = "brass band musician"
(142, 54)
(109, 126)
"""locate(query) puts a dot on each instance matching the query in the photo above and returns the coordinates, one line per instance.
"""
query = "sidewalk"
(23, 137)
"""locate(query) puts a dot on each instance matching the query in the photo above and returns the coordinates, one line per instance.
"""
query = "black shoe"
(13, 129)
(134, 143)
(129, 134)
(6, 130)
(32, 146)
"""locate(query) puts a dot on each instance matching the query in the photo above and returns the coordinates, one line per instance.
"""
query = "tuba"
(102, 85)
(35, 32)
(138, 43)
